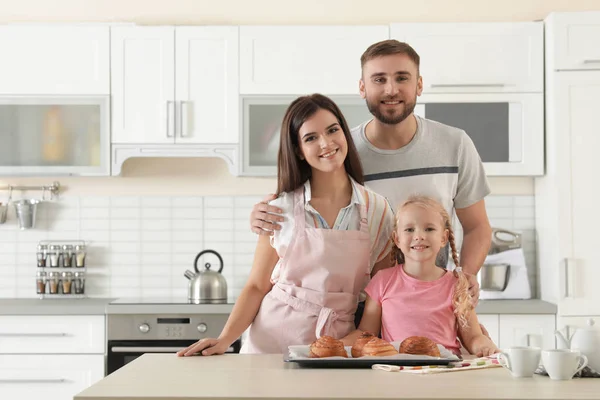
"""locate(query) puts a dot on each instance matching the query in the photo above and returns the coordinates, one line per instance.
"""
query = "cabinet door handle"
(467, 85)
(170, 118)
(528, 340)
(34, 335)
(567, 281)
(591, 61)
(57, 380)
(183, 118)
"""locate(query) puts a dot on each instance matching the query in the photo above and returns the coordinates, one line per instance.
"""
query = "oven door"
(506, 128)
(121, 352)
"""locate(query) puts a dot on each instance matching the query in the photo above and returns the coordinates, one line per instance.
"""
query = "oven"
(132, 335)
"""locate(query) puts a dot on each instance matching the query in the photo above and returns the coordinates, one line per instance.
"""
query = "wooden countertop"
(165, 376)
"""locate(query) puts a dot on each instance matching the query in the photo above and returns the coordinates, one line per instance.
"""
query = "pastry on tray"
(360, 342)
(326, 346)
(419, 345)
(379, 348)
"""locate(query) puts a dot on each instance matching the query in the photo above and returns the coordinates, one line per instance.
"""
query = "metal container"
(26, 212)
(207, 286)
(3, 213)
(494, 277)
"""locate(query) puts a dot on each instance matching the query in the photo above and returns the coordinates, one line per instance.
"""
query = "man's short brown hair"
(389, 47)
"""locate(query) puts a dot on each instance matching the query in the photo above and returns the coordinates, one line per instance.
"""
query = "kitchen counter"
(165, 376)
(54, 306)
(533, 306)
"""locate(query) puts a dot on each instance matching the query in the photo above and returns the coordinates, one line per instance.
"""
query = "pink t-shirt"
(410, 307)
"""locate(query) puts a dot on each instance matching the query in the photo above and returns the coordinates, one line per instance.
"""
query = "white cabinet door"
(471, 57)
(54, 60)
(52, 334)
(527, 330)
(491, 322)
(574, 40)
(48, 377)
(143, 84)
(207, 82)
(300, 60)
(575, 109)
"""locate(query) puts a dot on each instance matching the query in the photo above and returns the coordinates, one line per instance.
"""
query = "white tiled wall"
(141, 246)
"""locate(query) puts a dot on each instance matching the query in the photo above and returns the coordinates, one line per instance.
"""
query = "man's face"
(390, 85)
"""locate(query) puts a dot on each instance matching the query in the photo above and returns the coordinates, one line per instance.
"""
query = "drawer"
(48, 377)
(60, 334)
(573, 40)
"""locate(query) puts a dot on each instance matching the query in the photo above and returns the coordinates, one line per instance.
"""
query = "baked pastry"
(378, 347)
(326, 346)
(419, 345)
(360, 342)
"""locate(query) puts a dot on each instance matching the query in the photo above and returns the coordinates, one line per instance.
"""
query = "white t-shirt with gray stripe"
(440, 162)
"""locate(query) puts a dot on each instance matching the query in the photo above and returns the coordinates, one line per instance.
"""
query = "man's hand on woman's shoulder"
(264, 217)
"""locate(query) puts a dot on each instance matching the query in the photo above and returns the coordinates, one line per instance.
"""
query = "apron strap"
(299, 210)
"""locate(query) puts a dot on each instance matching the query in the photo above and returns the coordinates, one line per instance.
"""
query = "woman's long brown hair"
(292, 172)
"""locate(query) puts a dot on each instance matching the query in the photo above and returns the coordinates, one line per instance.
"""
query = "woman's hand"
(206, 347)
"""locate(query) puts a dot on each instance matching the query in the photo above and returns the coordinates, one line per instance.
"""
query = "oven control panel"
(158, 327)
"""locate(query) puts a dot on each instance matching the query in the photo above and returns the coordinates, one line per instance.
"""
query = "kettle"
(586, 340)
(207, 286)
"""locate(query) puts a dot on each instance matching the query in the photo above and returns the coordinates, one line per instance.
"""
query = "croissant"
(378, 347)
(419, 345)
(360, 342)
(326, 346)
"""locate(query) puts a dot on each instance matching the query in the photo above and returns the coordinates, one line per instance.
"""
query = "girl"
(417, 298)
(320, 270)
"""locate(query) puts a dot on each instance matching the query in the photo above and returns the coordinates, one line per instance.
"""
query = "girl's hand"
(206, 347)
(484, 347)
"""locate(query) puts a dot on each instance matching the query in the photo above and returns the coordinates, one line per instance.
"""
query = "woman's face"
(322, 142)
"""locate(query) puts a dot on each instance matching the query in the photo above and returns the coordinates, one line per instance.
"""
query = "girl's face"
(322, 142)
(420, 233)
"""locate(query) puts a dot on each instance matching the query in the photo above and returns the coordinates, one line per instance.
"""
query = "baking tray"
(299, 355)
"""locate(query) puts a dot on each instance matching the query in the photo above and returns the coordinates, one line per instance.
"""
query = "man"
(403, 154)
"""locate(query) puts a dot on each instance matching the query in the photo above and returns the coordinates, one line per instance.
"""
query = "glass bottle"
(80, 256)
(40, 282)
(54, 255)
(67, 255)
(66, 280)
(42, 253)
(53, 281)
(79, 282)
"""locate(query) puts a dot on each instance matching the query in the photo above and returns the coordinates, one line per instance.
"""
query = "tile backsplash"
(140, 246)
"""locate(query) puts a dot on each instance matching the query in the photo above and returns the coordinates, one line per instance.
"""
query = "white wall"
(191, 177)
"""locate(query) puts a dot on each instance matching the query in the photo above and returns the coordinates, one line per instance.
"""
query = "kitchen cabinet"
(477, 57)
(573, 43)
(491, 322)
(527, 330)
(50, 357)
(297, 60)
(60, 59)
(565, 197)
(174, 85)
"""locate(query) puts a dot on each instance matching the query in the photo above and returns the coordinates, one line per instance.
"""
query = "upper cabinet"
(573, 41)
(473, 57)
(296, 60)
(174, 85)
(54, 60)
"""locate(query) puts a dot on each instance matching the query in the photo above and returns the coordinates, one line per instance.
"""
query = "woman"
(305, 281)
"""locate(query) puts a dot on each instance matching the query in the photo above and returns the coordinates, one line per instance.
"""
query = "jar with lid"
(42, 253)
(53, 282)
(40, 282)
(79, 282)
(66, 280)
(67, 255)
(80, 256)
(54, 255)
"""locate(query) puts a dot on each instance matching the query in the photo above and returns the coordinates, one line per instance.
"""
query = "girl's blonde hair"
(462, 298)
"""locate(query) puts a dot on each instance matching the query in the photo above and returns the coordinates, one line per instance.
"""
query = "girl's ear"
(395, 239)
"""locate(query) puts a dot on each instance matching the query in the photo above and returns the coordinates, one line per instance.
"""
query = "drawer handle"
(33, 334)
(591, 61)
(58, 380)
(467, 85)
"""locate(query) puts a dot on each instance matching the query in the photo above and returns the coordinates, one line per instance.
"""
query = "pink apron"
(321, 276)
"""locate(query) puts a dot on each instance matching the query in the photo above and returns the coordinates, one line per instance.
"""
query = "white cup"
(563, 364)
(520, 361)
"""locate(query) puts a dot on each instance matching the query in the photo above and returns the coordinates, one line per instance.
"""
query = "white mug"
(520, 361)
(563, 364)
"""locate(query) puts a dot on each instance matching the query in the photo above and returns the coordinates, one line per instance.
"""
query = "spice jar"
(40, 282)
(54, 255)
(53, 281)
(42, 253)
(67, 255)
(79, 282)
(80, 256)
(66, 280)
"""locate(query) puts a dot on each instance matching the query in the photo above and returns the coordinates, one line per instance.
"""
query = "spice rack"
(61, 269)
